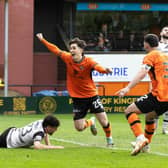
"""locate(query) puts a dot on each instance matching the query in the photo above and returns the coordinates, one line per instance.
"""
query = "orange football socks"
(107, 130)
(135, 123)
(88, 123)
(149, 129)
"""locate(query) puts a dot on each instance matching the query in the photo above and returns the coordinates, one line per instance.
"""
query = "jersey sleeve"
(38, 136)
(54, 49)
(91, 62)
(99, 68)
(96, 66)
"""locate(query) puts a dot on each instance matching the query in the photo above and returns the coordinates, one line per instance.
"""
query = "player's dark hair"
(164, 27)
(50, 120)
(152, 40)
(79, 42)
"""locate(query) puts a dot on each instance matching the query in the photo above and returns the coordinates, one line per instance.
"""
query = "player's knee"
(126, 111)
(79, 128)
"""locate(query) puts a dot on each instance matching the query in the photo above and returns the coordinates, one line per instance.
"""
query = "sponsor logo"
(1, 102)
(145, 6)
(92, 6)
(19, 104)
(47, 105)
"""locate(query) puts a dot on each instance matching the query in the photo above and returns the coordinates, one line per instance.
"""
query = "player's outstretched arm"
(51, 47)
(140, 75)
(122, 92)
(101, 69)
(39, 145)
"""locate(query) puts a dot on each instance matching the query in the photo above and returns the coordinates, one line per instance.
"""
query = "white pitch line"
(68, 141)
(159, 153)
(84, 144)
(89, 145)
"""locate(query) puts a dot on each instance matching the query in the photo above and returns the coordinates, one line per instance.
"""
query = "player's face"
(76, 52)
(50, 130)
(164, 33)
(146, 46)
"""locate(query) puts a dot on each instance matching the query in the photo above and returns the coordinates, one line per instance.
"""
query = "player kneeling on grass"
(31, 134)
(153, 104)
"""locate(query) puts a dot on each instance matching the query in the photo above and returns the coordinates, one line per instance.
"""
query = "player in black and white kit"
(31, 134)
(163, 46)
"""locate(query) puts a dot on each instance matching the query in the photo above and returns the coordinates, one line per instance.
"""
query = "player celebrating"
(81, 87)
(155, 63)
(31, 134)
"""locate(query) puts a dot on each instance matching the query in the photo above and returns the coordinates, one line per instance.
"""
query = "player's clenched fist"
(39, 36)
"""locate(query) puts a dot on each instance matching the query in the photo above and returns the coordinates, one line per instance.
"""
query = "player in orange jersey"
(81, 87)
(155, 103)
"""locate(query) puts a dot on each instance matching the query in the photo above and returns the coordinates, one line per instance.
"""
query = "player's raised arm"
(53, 48)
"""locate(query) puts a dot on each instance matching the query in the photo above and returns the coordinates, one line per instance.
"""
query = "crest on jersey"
(47, 105)
(81, 67)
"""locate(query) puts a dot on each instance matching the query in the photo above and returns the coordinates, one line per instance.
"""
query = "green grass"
(82, 150)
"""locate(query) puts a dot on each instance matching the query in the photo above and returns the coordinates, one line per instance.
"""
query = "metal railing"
(55, 86)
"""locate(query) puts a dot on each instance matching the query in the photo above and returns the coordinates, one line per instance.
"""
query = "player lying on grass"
(31, 134)
(155, 103)
(81, 86)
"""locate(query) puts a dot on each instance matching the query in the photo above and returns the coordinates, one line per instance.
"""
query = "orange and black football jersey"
(158, 73)
(79, 75)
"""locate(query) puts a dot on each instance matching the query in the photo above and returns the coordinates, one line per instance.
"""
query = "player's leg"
(133, 119)
(165, 123)
(93, 128)
(97, 108)
(106, 125)
(148, 104)
(81, 124)
(3, 138)
(80, 108)
(150, 125)
(131, 113)
(156, 122)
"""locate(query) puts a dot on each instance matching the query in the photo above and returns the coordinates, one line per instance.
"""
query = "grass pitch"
(82, 149)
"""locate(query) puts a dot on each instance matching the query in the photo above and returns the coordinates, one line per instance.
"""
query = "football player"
(81, 86)
(153, 104)
(31, 134)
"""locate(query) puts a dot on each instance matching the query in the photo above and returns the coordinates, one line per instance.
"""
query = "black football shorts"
(149, 103)
(82, 105)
